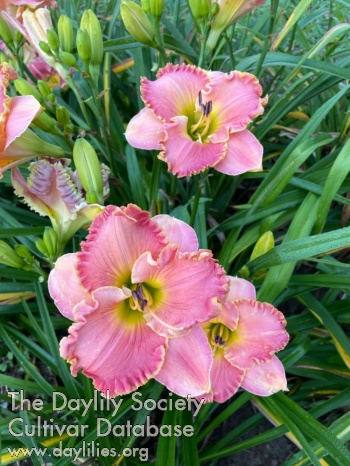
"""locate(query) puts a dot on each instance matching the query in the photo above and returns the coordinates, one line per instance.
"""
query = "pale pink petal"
(259, 334)
(236, 99)
(175, 91)
(240, 289)
(185, 288)
(144, 130)
(225, 378)
(112, 344)
(118, 236)
(265, 379)
(23, 110)
(178, 232)
(244, 153)
(187, 364)
(229, 315)
(65, 287)
(184, 156)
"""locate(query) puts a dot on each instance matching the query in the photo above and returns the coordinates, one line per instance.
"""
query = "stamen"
(139, 297)
(200, 98)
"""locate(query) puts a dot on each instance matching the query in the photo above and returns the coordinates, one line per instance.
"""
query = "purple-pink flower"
(138, 284)
(198, 119)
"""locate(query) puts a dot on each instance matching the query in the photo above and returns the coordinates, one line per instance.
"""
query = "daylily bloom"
(53, 190)
(229, 12)
(138, 284)
(33, 25)
(19, 144)
(244, 339)
(198, 119)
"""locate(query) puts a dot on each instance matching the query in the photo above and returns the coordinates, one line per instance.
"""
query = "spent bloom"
(137, 284)
(19, 144)
(198, 119)
(229, 11)
(54, 190)
(244, 339)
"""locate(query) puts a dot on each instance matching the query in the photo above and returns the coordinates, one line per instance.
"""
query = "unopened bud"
(52, 39)
(146, 6)
(44, 88)
(67, 58)
(91, 24)
(244, 272)
(45, 47)
(9, 257)
(263, 245)
(89, 170)
(156, 8)
(39, 243)
(24, 253)
(65, 33)
(137, 23)
(23, 87)
(50, 240)
(200, 8)
(214, 9)
(62, 115)
(5, 32)
(68, 128)
(17, 37)
(47, 124)
(84, 47)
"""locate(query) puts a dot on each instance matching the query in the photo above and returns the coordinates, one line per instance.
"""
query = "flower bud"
(156, 8)
(23, 87)
(45, 47)
(137, 23)
(17, 37)
(65, 33)
(23, 251)
(84, 47)
(146, 6)
(5, 32)
(50, 240)
(89, 170)
(227, 13)
(9, 257)
(44, 88)
(47, 124)
(91, 24)
(52, 39)
(263, 245)
(200, 8)
(62, 115)
(67, 58)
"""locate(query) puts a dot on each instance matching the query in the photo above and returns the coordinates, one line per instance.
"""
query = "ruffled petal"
(244, 153)
(144, 130)
(265, 379)
(259, 334)
(65, 287)
(184, 156)
(175, 91)
(240, 289)
(185, 288)
(225, 378)
(112, 344)
(178, 232)
(23, 110)
(187, 364)
(236, 99)
(118, 236)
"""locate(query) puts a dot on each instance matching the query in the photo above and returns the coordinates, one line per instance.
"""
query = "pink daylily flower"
(53, 190)
(229, 12)
(244, 339)
(16, 114)
(198, 119)
(138, 285)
